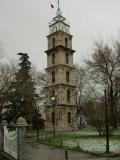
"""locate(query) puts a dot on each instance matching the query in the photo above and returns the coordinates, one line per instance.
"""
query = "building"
(61, 110)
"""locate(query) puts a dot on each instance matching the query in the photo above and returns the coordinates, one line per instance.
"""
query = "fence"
(14, 142)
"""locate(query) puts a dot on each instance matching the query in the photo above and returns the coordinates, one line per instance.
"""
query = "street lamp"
(53, 114)
(38, 125)
(106, 122)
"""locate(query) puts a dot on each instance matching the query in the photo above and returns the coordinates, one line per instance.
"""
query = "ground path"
(44, 152)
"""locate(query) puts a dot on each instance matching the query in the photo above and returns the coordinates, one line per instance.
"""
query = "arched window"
(69, 117)
(53, 93)
(67, 58)
(68, 95)
(59, 115)
(53, 58)
(53, 42)
(66, 42)
(53, 76)
(67, 76)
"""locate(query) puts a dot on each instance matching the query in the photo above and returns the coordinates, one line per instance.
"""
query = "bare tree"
(105, 66)
(2, 51)
(7, 72)
(41, 79)
(84, 84)
(98, 119)
(85, 89)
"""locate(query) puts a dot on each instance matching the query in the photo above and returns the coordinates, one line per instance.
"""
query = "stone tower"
(60, 90)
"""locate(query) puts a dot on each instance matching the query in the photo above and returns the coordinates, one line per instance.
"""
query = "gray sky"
(24, 25)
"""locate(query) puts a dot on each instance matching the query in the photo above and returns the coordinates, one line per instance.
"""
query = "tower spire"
(59, 12)
(58, 5)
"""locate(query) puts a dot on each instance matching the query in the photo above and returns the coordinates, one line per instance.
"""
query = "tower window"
(67, 58)
(53, 58)
(68, 95)
(59, 115)
(53, 76)
(53, 93)
(53, 42)
(66, 42)
(69, 117)
(67, 76)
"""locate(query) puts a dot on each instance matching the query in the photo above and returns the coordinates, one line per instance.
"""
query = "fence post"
(66, 155)
(4, 123)
(21, 133)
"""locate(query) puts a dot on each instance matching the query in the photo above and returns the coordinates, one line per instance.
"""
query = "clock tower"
(61, 110)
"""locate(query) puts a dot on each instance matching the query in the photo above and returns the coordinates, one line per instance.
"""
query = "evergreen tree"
(21, 94)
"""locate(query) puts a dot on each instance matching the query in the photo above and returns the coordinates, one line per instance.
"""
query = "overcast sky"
(24, 25)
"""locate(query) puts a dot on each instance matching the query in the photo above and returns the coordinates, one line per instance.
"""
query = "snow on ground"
(84, 132)
(96, 145)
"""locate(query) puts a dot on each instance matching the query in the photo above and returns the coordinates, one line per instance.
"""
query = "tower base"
(65, 118)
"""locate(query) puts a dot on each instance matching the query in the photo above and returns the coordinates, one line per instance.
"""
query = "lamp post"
(53, 115)
(106, 122)
(38, 125)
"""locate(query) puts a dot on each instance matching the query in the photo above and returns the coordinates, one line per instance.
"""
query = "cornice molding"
(60, 65)
(59, 47)
(59, 32)
(62, 84)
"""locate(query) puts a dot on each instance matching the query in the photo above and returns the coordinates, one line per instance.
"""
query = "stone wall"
(59, 36)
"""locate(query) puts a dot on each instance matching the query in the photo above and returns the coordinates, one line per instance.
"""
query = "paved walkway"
(44, 152)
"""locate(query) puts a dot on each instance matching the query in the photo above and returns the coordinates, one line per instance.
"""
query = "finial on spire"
(59, 12)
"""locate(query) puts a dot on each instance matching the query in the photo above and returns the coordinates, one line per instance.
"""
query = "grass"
(86, 133)
(115, 137)
(59, 140)
(31, 133)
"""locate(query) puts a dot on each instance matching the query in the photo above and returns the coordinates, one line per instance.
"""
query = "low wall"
(11, 142)
(13, 146)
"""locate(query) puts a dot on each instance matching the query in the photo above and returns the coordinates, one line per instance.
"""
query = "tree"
(21, 94)
(85, 89)
(98, 119)
(105, 66)
(84, 85)
(2, 51)
(6, 76)
(40, 79)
